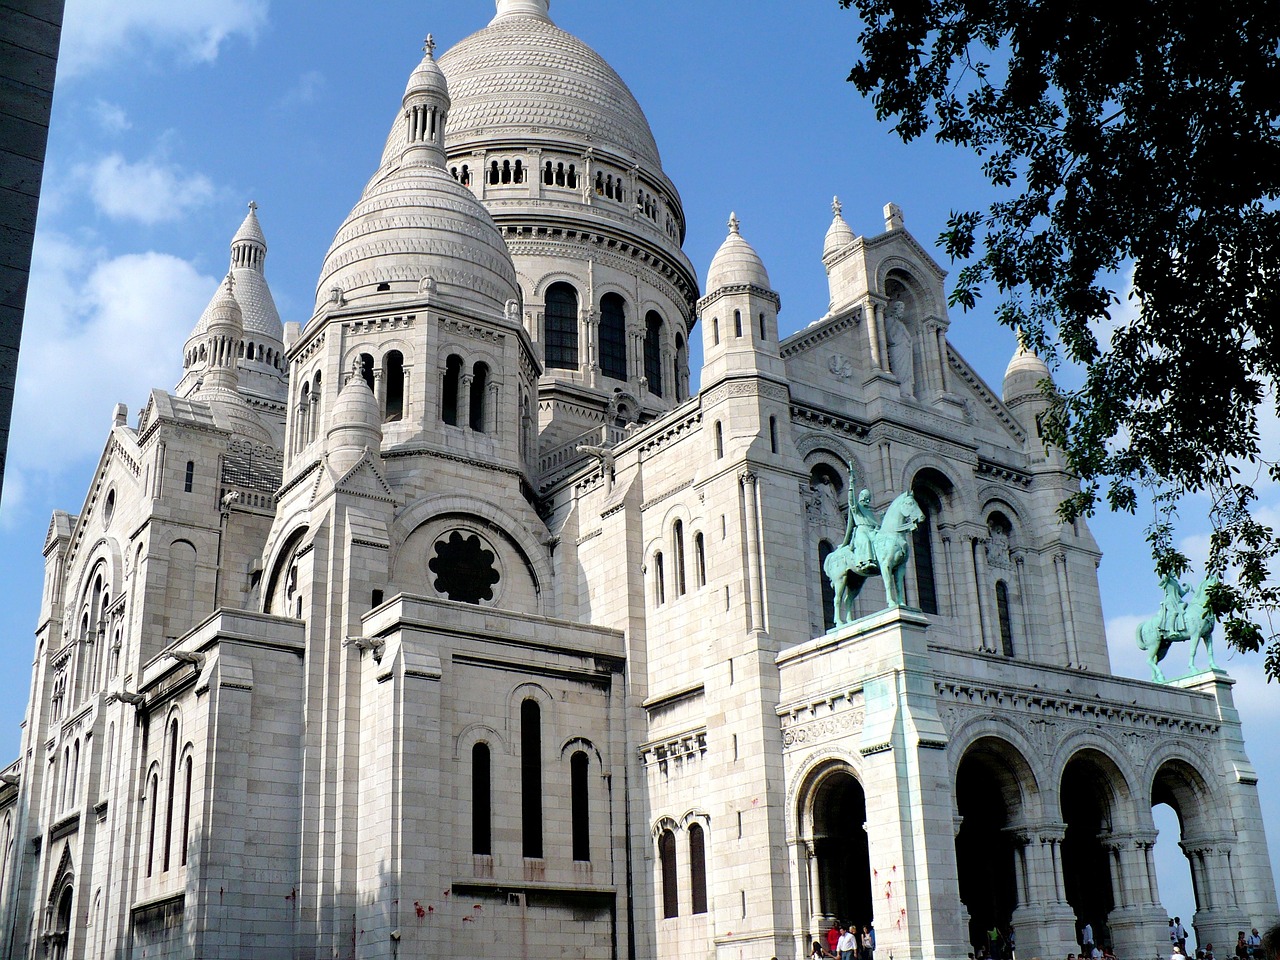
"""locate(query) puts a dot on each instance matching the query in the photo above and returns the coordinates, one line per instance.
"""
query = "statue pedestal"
(899, 756)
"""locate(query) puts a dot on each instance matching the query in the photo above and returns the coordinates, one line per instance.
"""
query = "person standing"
(847, 945)
(1180, 934)
(1254, 943)
(868, 943)
(1086, 938)
(833, 939)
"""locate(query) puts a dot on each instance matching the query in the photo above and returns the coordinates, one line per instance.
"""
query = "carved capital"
(747, 478)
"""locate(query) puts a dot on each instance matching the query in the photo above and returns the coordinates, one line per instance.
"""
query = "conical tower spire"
(249, 245)
(426, 107)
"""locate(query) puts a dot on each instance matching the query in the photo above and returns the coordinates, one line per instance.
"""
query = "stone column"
(1064, 608)
(875, 335)
(978, 546)
(1044, 924)
(933, 359)
(492, 421)
(464, 398)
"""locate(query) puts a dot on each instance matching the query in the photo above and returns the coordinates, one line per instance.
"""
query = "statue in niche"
(870, 546)
(1179, 619)
(902, 360)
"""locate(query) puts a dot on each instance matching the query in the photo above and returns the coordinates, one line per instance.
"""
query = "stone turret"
(740, 313)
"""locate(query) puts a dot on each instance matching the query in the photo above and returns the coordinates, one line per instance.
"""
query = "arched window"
(493, 172)
(737, 323)
(697, 868)
(682, 362)
(659, 585)
(678, 535)
(762, 327)
(653, 352)
(519, 172)
(186, 813)
(578, 803)
(304, 418)
(190, 477)
(153, 798)
(926, 487)
(316, 394)
(479, 387)
(1006, 623)
(449, 390)
(547, 176)
(393, 377)
(670, 892)
(481, 817)
(172, 789)
(828, 593)
(531, 778)
(613, 336)
(506, 171)
(366, 371)
(719, 440)
(560, 340)
(62, 925)
(700, 558)
(571, 178)
(466, 175)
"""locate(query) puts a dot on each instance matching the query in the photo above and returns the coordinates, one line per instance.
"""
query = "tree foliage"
(1138, 135)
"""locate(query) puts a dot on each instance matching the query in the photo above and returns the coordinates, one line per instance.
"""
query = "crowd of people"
(1250, 945)
(845, 942)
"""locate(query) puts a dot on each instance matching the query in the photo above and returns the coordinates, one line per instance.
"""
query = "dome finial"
(429, 46)
(836, 206)
(733, 223)
(253, 206)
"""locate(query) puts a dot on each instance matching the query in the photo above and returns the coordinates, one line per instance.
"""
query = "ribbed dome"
(356, 408)
(522, 73)
(736, 262)
(414, 222)
(1023, 375)
(839, 234)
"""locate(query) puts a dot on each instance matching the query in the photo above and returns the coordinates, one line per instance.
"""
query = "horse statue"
(890, 547)
(1194, 622)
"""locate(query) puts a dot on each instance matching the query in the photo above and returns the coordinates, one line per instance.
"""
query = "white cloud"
(304, 90)
(95, 32)
(99, 330)
(149, 191)
(111, 117)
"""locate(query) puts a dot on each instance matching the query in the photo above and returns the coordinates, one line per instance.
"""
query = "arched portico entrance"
(1090, 795)
(1207, 849)
(990, 784)
(836, 814)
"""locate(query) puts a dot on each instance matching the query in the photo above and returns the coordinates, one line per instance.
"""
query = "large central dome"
(522, 71)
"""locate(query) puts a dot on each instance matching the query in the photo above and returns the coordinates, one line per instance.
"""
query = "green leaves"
(1143, 134)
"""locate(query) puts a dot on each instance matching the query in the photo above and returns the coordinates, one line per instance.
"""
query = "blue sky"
(169, 117)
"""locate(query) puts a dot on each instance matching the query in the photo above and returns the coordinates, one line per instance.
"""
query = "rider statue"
(1173, 609)
(861, 530)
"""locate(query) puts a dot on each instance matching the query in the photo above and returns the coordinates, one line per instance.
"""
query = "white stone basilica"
(451, 624)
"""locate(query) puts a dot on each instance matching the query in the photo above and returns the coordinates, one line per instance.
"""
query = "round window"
(464, 568)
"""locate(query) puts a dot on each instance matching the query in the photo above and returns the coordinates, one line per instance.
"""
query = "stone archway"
(838, 840)
(991, 782)
(1207, 849)
(1090, 794)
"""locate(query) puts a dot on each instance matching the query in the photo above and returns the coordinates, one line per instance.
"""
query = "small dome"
(354, 424)
(1023, 375)
(839, 234)
(736, 262)
(414, 222)
(428, 79)
(223, 310)
(356, 407)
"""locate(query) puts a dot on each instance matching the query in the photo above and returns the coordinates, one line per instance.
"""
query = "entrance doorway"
(988, 799)
(840, 846)
(1087, 802)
